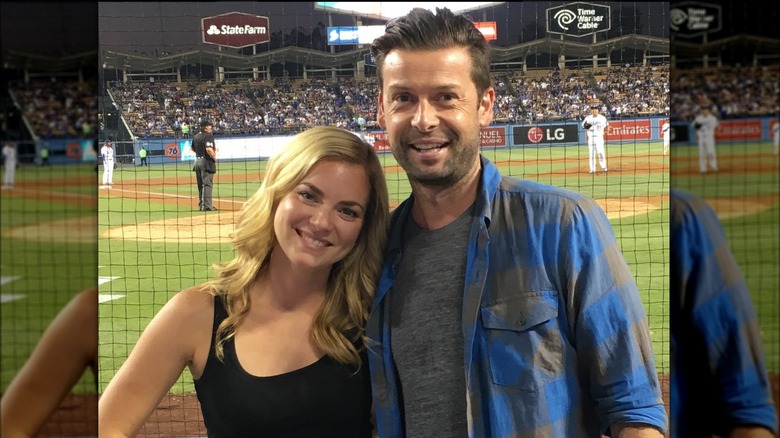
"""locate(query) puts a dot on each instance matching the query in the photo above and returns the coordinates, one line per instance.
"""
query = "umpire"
(205, 165)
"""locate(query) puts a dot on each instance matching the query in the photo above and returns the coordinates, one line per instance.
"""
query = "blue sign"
(369, 59)
(343, 35)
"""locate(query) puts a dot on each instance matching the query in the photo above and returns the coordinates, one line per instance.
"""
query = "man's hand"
(586, 125)
(634, 430)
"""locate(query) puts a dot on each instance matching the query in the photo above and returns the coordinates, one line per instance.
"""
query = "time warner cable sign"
(235, 29)
(578, 19)
(691, 19)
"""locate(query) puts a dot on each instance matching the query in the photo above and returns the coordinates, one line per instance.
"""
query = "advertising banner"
(691, 19)
(495, 137)
(628, 130)
(729, 130)
(548, 134)
(235, 29)
(578, 19)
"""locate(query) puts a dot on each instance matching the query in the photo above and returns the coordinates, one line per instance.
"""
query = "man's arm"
(210, 151)
(609, 327)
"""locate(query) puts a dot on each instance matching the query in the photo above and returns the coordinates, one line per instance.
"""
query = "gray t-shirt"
(426, 305)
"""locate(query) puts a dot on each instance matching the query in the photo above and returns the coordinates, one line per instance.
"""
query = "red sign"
(738, 130)
(235, 29)
(73, 150)
(378, 140)
(492, 137)
(488, 29)
(172, 150)
(628, 130)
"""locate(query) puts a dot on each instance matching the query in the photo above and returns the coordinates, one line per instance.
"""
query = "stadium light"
(388, 10)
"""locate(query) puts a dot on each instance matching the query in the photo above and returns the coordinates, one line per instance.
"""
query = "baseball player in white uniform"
(776, 137)
(107, 152)
(595, 126)
(665, 133)
(9, 152)
(705, 124)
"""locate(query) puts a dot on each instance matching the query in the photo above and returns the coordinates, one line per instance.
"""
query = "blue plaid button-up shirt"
(718, 379)
(556, 337)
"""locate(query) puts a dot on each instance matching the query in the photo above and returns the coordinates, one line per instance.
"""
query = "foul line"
(170, 195)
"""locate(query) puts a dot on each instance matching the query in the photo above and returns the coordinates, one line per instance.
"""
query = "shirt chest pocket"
(523, 339)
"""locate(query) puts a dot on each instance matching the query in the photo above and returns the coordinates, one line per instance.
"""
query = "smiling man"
(505, 307)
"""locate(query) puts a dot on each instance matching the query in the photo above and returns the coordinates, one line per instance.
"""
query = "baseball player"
(9, 153)
(107, 152)
(665, 132)
(776, 137)
(595, 125)
(705, 124)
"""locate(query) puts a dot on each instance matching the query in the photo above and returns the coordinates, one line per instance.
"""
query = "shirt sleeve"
(609, 324)
(717, 318)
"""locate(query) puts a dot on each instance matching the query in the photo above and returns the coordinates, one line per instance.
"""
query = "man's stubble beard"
(463, 152)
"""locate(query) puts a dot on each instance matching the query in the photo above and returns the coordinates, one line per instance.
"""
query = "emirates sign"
(235, 29)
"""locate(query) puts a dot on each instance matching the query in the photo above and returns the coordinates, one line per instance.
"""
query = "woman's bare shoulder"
(196, 301)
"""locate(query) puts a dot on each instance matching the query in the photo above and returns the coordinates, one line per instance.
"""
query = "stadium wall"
(169, 150)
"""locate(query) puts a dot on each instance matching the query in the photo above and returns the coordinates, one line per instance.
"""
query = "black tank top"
(325, 399)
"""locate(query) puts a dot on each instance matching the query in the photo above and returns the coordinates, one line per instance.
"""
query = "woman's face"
(319, 221)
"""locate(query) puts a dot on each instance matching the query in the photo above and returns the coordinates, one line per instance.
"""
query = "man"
(142, 153)
(705, 124)
(44, 156)
(205, 164)
(107, 153)
(505, 307)
(665, 133)
(719, 381)
(9, 155)
(776, 137)
(595, 125)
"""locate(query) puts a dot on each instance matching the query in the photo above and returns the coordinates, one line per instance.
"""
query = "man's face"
(208, 128)
(430, 109)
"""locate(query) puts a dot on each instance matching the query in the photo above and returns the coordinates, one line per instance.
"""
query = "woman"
(274, 342)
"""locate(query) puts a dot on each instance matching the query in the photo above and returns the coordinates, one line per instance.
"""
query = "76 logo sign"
(172, 150)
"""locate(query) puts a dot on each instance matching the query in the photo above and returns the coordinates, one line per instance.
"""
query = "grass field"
(148, 270)
(50, 250)
(48, 253)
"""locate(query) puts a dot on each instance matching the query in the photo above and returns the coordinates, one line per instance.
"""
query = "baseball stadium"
(145, 239)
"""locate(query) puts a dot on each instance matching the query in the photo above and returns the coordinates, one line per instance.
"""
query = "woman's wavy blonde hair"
(350, 290)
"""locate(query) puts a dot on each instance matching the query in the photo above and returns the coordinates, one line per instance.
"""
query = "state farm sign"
(235, 29)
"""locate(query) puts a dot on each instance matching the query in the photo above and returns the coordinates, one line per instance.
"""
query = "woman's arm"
(66, 349)
(165, 347)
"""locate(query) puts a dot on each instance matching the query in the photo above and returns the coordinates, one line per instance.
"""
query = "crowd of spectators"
(57, 107)
(62, 108)
(730, 91)
(286, 105)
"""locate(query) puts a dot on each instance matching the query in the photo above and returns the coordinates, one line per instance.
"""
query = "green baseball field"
(153, 242)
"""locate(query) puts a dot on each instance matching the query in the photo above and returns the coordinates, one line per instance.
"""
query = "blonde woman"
(274, 342)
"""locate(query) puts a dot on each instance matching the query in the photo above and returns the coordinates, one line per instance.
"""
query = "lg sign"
(235, 29)
(547, 134)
